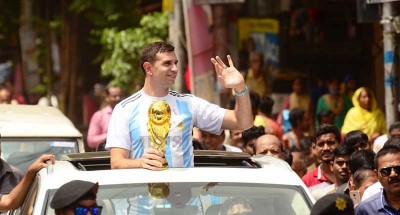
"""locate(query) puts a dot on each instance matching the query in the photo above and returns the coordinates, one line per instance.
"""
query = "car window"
(200, 198)
(21, 153)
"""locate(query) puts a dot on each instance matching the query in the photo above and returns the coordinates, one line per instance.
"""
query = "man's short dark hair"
(343, 150)
(387, 149)
(326, 129)
(252, 133)
(149, 52)
(361, 159)
(266, 104)
(295, 116)
(354, 137)
(394, 141)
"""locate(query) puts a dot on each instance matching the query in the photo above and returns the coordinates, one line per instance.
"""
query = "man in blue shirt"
(387, 165)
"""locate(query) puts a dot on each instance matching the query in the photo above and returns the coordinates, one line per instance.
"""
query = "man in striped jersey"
(128, 138)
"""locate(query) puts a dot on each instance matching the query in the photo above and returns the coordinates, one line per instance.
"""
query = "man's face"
(212, 141)
(114, 96)
(269, 145)
(324, 146)
(5, 96)
(391, 182)
(164, 70)
(340, 167)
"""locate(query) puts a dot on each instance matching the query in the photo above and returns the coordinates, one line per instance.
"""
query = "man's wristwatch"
(243, 93)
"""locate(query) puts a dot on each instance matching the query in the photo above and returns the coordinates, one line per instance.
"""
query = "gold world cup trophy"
(158, 126)
(158, 190)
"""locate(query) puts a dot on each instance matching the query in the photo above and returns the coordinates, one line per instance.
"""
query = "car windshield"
(23, 152)
(200, 198)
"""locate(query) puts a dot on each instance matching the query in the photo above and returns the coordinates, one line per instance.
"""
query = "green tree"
(122, 49)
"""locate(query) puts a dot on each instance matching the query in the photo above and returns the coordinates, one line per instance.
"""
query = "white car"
(266, 183)
(28, 131)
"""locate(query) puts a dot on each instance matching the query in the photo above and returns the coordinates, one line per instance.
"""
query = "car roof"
(35, 121)
(271, 170)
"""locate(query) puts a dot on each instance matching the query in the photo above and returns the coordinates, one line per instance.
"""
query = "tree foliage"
(122, 49)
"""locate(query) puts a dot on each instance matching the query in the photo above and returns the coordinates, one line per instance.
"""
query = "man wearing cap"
(76, 197)
(333, 204)
(386, 201)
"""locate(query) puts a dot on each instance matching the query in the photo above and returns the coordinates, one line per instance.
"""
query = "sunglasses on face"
(94, 210)
(385, 172)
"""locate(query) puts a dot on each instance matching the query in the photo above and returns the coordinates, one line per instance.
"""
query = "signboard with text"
(263, 35)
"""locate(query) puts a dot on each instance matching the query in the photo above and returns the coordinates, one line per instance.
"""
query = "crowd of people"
(338, 146)
(328, 138)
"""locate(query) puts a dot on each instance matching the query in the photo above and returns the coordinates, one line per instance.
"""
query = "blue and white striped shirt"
(128, 125)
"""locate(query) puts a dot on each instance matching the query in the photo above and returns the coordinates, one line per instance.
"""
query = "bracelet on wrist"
(243, 93)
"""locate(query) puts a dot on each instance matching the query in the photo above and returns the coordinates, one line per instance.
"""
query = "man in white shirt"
(128, 137)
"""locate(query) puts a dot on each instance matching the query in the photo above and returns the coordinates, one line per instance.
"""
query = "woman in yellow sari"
(365, 115)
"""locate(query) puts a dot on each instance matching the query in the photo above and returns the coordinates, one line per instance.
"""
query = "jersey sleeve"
(208, 116)
(118, 129)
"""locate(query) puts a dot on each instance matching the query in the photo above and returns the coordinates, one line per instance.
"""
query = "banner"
(200, 50)
(262, 34)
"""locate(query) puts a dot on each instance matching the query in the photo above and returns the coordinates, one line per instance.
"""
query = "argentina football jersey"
(129, 129)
